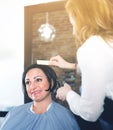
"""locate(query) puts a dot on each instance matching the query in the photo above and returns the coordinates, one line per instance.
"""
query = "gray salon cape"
(56, 118)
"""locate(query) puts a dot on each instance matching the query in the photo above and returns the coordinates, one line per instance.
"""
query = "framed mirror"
(63, 43)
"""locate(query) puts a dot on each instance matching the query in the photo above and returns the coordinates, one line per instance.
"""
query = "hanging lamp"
(46, 31)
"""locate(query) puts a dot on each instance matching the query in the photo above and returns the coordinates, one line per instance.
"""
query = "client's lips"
(36, 92)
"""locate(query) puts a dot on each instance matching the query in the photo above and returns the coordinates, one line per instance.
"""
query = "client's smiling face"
(37, 84)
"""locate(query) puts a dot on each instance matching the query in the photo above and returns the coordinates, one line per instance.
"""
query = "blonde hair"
(92, 17)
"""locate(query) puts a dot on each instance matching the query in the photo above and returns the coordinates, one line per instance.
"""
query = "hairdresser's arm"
(95, 73)
(93, 62)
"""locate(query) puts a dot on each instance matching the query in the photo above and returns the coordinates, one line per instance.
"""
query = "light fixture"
(46, 31)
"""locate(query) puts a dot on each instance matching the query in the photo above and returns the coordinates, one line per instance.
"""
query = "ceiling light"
(46, 31)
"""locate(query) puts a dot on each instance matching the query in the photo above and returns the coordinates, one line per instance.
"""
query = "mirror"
(63, 43)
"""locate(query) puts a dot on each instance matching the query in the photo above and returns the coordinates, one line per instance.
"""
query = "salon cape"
(95, 62)
(56, 118)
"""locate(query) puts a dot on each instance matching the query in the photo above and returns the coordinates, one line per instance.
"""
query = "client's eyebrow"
(38, 76)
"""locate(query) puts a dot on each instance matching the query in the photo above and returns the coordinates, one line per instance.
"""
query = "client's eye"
(27, 83)
(39, 79)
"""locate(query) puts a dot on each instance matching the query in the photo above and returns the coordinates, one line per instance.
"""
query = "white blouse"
(95, 61)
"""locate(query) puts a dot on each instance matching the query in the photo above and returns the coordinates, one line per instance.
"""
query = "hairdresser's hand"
(58, 61)
(62, 92)
(61, 63)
